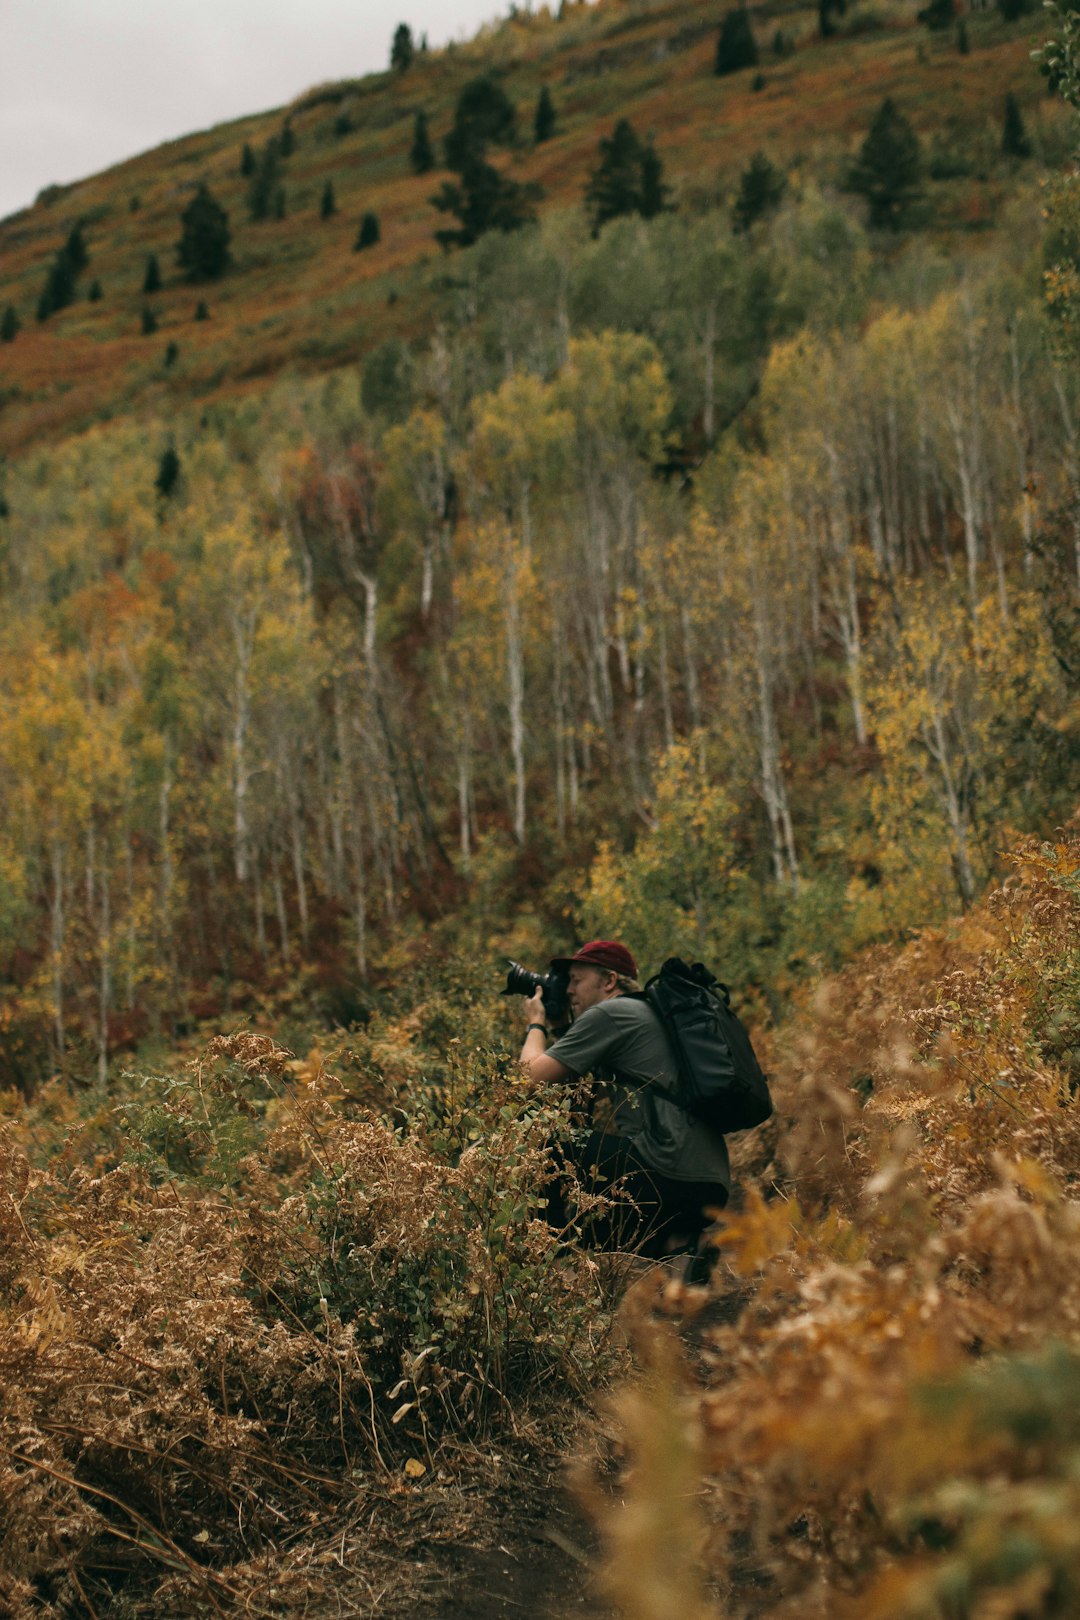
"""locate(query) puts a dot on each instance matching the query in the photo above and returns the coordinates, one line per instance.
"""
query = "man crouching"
(664, 1169)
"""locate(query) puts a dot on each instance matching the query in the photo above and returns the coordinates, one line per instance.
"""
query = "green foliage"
(172, 353)
(484, 200)
(888, 170)
(76, 250)
(9, 325)
(59, 289)
(168, 473)
(152, 275)
(421, 153)
(628, 179)
(247, 161)
(402, 49)
(327, 202)
(1013, 10)
(203, 249)
(963, 44)
(484, 116)
(149, 321)
(1014, 137)
(544, 119)
(202, 313)
(368, 234)
(265, 182)
(287, 139)
(387, 382)
(938, 15)
(736, 47)
(94, 292)
(761, 189)
(827, 11)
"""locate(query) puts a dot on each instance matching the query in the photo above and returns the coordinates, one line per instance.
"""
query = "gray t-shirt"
(623, 1038)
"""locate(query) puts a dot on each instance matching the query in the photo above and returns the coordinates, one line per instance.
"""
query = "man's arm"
(534, 1059)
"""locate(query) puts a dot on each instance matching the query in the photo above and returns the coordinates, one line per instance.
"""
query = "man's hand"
(537, 1065)
(534, 1009)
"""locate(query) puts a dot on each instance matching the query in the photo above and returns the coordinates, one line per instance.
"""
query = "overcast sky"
(84, 83)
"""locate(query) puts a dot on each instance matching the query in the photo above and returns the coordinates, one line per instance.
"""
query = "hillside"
(300, 300)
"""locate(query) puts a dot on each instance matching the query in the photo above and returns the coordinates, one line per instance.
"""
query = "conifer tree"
(77, 254)
(402, 49)
(544, 121)
(483, 200)
(888, 169)
(202, 313)
(152, 276)
(963, 44)
(1014, 137)
(149, 321)
(203, 249)
(421, 153)
(736, 47)
(172, 353)
(287, 140)
(761, 187)
(938, 14)
(327, 204)
(262, 192)
(94, 294)
(827, 10)
(9, 326)
(628, 179)
(247, 162)
(484, 116)
(59, 289)
(168, 473)
(368, 234)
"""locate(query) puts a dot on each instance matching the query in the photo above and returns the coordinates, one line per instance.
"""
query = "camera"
(522, 981)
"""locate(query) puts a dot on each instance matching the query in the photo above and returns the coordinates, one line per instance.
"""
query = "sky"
(86, 83)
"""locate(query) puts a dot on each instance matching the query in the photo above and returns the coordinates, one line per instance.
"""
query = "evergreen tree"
(888, 169)
(628, 179)
(421, 153)
(149, 321)
(247, 162)
(94, 294)
(654, 193)
(1013, 10)
(736, 47)
(544, 121)
(368, 234)
(402, 49)
(263, 189)
(9, 326)
(287, 140)
(201, 311)
(327, 204)
(59, 289)
(827, 10)
(938, 15)
(203, 249)
(78, 257)
(761, 187)
(483, 200)
(172, 354)
(152, 277)
(484, 116)
(963, 44)
(168, 473)
(1014, 138)
(779, 43)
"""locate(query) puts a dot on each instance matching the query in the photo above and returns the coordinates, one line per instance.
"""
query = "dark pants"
(653, 1214)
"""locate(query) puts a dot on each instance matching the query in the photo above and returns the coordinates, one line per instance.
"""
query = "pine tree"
(827, 10)
(287, 140)
(149, 321)
(654, 193)
(484, 116)
(168, 473)
(963, 44)
(201, 311)
(628, 179)
(247, 162)
(9, 326)
(544, 121)
(203, 249)
(402, 49)
(94, 294)
(421, 153)
(59, 289)
(172, 353)
(484, 200)
(736, 47)
(368, 234)
(328, 203)
(888, 169)
(152, 277)
(761, 187)
(76, 251)
(263, 189)
(1014, 138)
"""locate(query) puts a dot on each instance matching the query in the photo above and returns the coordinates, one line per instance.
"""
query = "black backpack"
(720, 1080)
